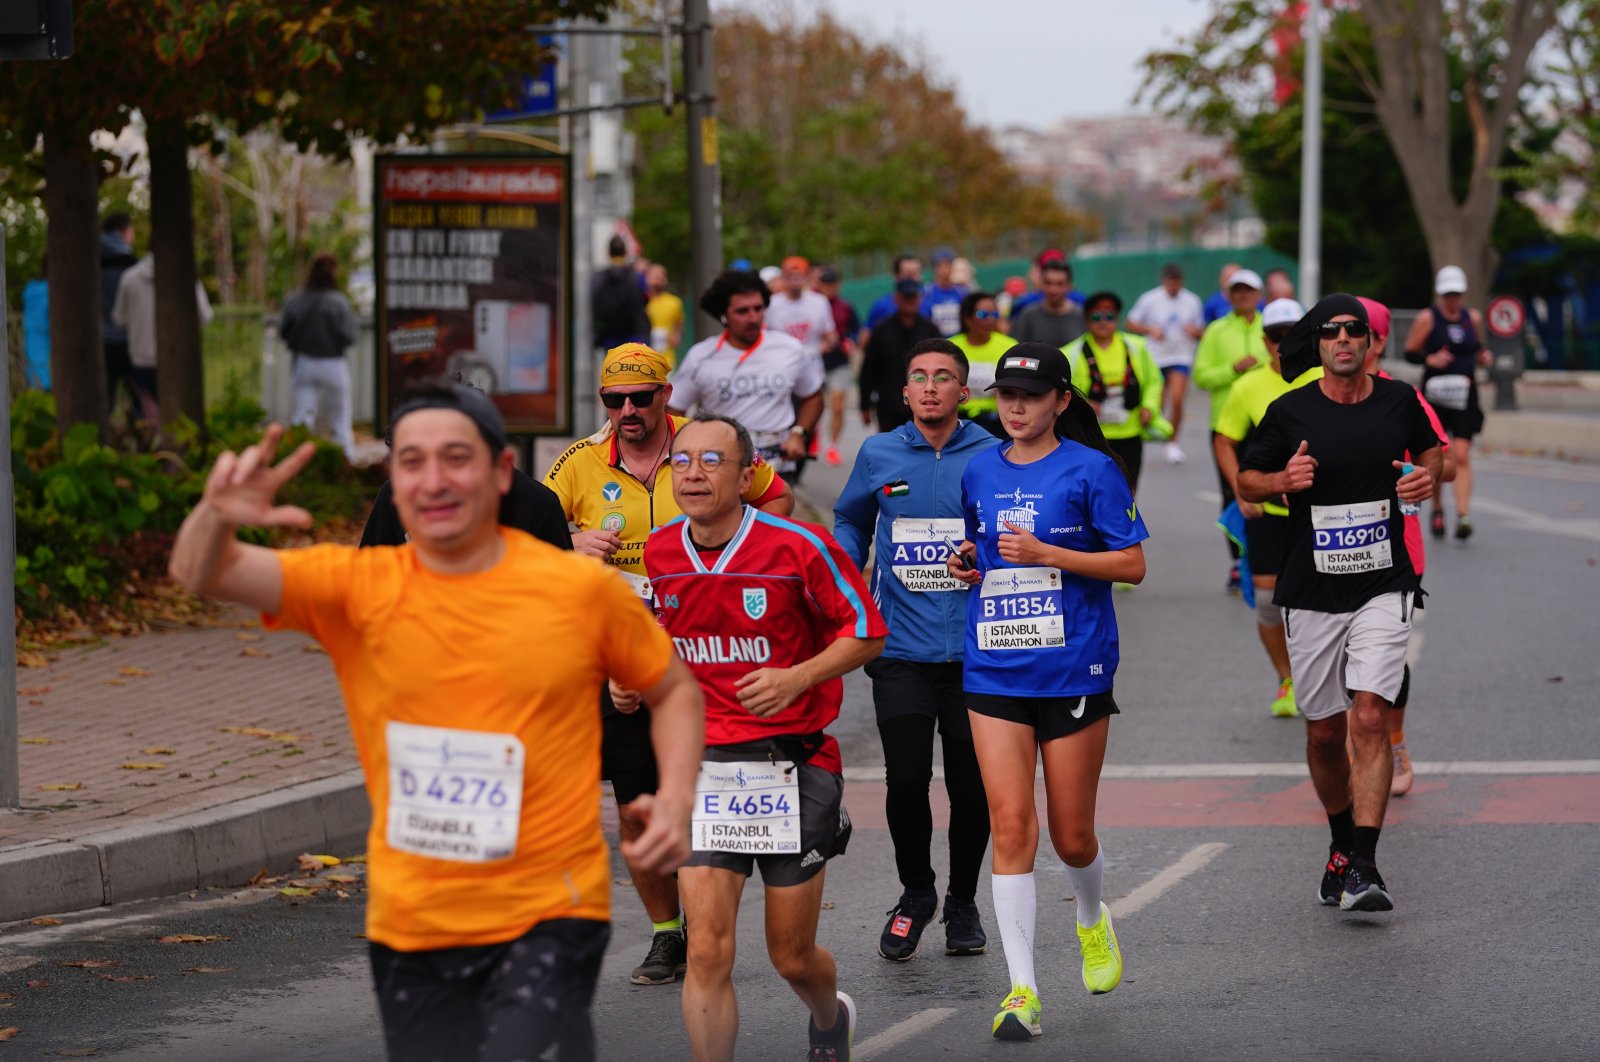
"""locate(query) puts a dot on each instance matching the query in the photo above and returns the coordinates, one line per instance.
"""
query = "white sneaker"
(1174, 454)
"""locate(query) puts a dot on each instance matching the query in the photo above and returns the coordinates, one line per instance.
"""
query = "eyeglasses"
(1102, 317)
(1353, 329)
(710, 460)
(986, 315)
(640, 399)
(941, 378)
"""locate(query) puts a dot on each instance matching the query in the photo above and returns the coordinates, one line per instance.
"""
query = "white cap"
(1452, 280)
(1247, 277)
(1281, 312)
(770, 273)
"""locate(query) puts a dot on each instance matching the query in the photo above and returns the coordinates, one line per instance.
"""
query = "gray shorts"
(840, 379)
(1332, 654)
(824, 833)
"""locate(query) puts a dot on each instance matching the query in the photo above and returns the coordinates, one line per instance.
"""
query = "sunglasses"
(986, 315)
(710, 460)
(941, 378)
(1278, 335)
(1353, 329)
(640, 399)
(1102, 317)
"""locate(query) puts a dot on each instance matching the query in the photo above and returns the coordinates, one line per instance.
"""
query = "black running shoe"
(902, 934)
(837, 1043)
(1332, 878)
(963, 929)
(1436, 523)
(665, 962)
(1364, 889)
(1233, 586)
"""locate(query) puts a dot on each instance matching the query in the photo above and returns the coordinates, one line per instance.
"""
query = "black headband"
(1298, 353)
(468, 401)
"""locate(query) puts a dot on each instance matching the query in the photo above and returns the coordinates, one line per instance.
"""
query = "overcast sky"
(1027, 61)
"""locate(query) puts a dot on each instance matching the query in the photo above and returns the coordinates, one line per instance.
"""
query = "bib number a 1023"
(453, 794)
(918, 548)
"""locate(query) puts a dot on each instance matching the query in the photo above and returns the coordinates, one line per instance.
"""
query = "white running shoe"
(1174, 454)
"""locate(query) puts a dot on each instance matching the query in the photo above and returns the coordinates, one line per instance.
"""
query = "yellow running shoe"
(1284, 707)
(1102, 959)
(1019, 1015)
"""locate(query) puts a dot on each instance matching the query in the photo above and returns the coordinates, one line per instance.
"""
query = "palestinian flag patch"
(898, 489)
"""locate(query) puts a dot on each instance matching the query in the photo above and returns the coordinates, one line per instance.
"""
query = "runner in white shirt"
(802, 313)
(1172, 318)
(765, 380)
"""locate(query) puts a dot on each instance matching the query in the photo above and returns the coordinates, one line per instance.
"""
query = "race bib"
(1114, 410)
(639, 583)
(749, 807)
(453, 794)
(980, 374)
(918, 549)
(1351, 539)
(1448, 392)
(1020, 608)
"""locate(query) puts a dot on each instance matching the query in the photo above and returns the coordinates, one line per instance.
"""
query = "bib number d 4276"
(453, 794)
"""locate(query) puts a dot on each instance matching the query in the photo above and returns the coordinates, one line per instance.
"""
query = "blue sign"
(536, 95)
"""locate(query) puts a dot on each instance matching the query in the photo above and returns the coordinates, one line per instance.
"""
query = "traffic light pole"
(705, 181)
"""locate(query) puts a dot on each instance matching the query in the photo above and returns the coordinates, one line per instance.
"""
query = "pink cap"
(1015, 286)
(1377, 315)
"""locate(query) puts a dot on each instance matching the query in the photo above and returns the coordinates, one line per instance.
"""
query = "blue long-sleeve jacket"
(924, 627)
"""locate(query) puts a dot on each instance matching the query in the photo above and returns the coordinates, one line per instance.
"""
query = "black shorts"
(526, 998)
(1461, 423)
(1266, 537)
(1050, 717)
(1131, 453)
(627, 758)
(910, 687)
(824, 831)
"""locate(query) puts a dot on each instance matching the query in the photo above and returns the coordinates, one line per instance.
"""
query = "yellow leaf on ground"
(91, 964)
(292, 891)
(32, 660)
(133, 672)
(159, 751)
(312, 647)
(189, 938)
(44, 921)
(144, 766)
(61, 787)
(33, 691)
(36, 741)
(252, 651)
(8, 1032)
(243, 637)
(321, 860)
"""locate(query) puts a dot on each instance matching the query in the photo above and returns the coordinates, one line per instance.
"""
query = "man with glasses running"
(615, 489)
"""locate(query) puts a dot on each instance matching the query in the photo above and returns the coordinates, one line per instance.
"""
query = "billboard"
(473, 255)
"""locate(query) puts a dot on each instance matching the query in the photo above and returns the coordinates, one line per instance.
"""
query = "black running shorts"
(627, 758)
(824, 833)
(1050, 717)
(1266, 537)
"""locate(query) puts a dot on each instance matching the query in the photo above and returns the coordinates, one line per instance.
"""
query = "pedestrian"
(803, 314)
(764, 379)
(1446, 340)
(1172, 320)
(1114, 370)
(1218, 304)
(982, 343)
(318, 325)
(837, 375)
(490, 900)
(617, 304)
(941, 301)
(1337, 448)
(906, 267)
(768, 614)
(1050, 525)
(134, 311)
(881, 383)
(1055, 319)
(1231, 346)
(905, 492)
(36, 330)
(665, 311)
(116, 258)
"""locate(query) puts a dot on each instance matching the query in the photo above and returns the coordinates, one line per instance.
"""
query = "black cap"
(829, 275)
(439, 393)
(907, 287)
(1033, 367)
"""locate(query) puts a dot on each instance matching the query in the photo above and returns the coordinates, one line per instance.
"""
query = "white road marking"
(1586, 529)
(21, 935)
(900, 1032)
(1294, 770)
(1191, 862)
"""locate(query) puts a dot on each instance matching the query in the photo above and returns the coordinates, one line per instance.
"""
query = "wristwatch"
(795, 429)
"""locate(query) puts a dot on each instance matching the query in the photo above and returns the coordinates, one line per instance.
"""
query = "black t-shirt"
(528, 506)
(1346, 537)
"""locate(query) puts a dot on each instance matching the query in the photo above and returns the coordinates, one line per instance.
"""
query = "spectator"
(116, 258)
(941, 303)
(318, 325)
(134, 310)
(617, 304)
(36, 331)
(665, 311)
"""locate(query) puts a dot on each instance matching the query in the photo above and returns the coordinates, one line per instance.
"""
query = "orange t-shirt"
(505, 664)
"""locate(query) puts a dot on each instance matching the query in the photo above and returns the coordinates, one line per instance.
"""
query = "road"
(1213, 844)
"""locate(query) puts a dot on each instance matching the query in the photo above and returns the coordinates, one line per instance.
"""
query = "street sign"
(1506, 316)
(536, 96)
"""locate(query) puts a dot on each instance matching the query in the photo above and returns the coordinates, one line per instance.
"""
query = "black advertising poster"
(474, 271)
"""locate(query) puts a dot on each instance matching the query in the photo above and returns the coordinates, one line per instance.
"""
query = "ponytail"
(1079, 424)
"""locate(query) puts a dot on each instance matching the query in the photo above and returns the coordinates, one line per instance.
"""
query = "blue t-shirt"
(881, 310)
(1216, 306)
(942, 306)
(1043, 632)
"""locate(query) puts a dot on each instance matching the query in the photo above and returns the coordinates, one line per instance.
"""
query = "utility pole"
(1311, 158)
(705, 176)
(10, 769)
(585, 368)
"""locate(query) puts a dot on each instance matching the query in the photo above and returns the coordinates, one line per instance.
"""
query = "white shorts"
(1331, 653)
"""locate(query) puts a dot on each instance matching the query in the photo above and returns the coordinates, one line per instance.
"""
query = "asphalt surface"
(1491, 952)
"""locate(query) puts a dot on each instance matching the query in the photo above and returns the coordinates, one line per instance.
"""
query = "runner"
(769, 614)
(1446, 339)
(1218, 305)
(1231, 346)
(1050, 524)
(836, 362)
(941, 302)
(906, 267)
(802, 313)
(615, 488)
(1055, 319)
(1032, 292)
(982, 343)
(1266, 525)
(883, 362)
(490, 879)
(1172, 320)
(1347, 584)
(765, 379)
(905, 488)
(665, 311)
(1115, 372)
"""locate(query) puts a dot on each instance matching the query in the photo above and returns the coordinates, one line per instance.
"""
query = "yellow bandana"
(633, 363)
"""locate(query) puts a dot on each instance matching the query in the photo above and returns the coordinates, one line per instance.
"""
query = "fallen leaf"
(252, 651)
(61, 787)
(258, 878)
(362, 858)
(44, 921)
(8, 1032)
(243, 637)
(92, 964)
(1556, 678)
(36, 741)
(32, 660)
(125, 980)
(33, 691)
(309, 884)
(208, 969)
(7, 995)
(159, 751)
(144, 766)
(341, 894)
(313, 647)
(828, 906)
(115, 682)
(344, 879)
(292, 891)
(317, 862)
(190, 938)
(133, 672)
(38, 984)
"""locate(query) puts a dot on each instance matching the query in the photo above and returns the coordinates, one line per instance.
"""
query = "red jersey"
(777, 594)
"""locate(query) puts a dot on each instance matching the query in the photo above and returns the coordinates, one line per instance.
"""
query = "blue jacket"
(924, 627)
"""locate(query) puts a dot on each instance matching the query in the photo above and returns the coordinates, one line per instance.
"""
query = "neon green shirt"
(1116, 420)
(1247, 403)
(1226, 340)
(980, 370)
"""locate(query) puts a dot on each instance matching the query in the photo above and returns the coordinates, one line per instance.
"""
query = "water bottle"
(1409, 508)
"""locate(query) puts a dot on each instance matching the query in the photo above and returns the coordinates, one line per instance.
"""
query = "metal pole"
(705, 179)
(10, 770)
(1311, 158)
(585, 368)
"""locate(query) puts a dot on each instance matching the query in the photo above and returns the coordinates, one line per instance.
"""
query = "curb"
(225, 845)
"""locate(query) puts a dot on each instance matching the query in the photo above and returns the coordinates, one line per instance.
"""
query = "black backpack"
(618, 306)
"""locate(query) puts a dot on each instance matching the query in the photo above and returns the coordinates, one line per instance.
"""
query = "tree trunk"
(72, 244)
(180, 374)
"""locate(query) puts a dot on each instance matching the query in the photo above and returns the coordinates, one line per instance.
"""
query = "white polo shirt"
(756, 387)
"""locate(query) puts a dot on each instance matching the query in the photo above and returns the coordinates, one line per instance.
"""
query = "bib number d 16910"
(453, 794)
(751, 807)
(1351, 539)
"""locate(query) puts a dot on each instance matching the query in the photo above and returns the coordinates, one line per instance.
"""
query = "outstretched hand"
(242, 487)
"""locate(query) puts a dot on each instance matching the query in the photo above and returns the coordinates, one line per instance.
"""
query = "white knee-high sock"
(1016, 906)
(1087, 882)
